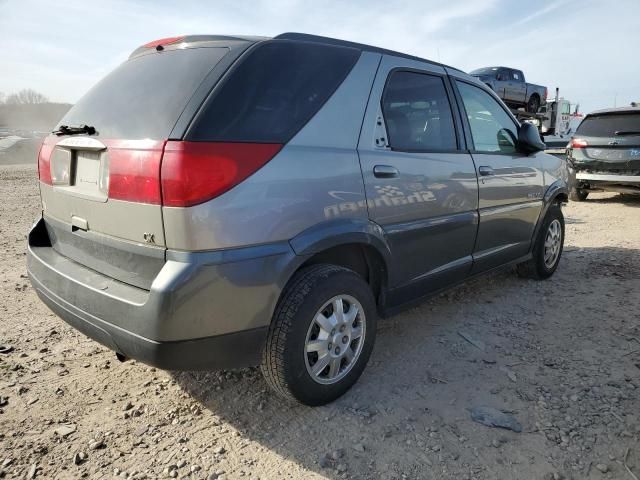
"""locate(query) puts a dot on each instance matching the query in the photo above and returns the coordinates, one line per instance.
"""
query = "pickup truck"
(510, 85)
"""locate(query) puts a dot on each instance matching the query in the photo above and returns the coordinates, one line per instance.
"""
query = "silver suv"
(220, 202)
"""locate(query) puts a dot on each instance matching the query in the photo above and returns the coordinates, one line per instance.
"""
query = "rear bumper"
(619, 179)
(233, 350)
(208, 310)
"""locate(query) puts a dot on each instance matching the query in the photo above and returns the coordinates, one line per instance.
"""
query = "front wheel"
(547, 248)
(321, 335)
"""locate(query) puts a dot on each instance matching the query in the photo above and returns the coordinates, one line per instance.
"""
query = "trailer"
(536, 119)
(554, 122)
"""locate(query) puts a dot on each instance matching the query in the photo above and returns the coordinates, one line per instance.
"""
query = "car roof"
(294, 36)
(304, 37)
(606, 111)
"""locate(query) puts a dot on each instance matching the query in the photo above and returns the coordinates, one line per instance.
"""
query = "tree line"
(26, 96)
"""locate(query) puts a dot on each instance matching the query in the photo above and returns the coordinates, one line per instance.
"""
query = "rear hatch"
(609, 143)
(100, 174)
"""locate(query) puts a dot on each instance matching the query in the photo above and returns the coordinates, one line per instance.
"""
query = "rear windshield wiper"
(621, 133)
(67, 130)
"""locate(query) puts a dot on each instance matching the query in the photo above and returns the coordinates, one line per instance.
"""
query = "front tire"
(321, 335)
(547, 248)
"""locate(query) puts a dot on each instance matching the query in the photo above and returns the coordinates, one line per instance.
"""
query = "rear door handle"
(486, 171)
(385, 171)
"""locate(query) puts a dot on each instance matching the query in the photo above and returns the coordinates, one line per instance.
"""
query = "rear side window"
(273, 92)
(417, 113)
(610, 125)
(144, 96)
(492, 129)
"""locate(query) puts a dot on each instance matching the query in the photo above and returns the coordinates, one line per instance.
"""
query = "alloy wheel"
(335, 339)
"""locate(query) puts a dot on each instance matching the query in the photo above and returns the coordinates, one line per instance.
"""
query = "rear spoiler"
(189, 41)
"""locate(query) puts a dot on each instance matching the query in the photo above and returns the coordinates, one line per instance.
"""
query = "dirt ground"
(562, 356)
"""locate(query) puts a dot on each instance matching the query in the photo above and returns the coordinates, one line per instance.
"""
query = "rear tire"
(578, 195)
(308, 329)
(547, 248)
(533, 104)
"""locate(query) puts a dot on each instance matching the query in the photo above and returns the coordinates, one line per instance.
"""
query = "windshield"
(606, 125)
(144, 96)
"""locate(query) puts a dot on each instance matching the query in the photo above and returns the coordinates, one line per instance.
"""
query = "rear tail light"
(546, 93)
(44, 163)
(578, 143)
(194, 172)
(134, 171)
(186, 174)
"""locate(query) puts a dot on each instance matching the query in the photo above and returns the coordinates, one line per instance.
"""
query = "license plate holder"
(89, 178)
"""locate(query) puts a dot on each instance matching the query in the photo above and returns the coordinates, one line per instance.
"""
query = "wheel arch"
(531, 97)
(557, 193)
(359, 245)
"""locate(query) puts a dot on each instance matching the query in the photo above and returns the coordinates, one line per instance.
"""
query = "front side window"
(417, 113)
(492, 130)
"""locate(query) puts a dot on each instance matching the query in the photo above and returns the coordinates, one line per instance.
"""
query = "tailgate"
(100, 171)
(610, 142)
(614, 155)
(86, 222)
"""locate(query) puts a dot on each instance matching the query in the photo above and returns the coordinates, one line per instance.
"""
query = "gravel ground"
(561, 356)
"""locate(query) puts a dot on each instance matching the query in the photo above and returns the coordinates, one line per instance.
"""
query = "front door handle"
(486, 171)
(385, 171)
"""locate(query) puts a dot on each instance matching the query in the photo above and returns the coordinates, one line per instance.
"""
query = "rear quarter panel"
(315, 178)
(533, 88)
(555, 170)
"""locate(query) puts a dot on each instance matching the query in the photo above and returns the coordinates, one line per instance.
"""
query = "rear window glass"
(144, 96)
(608, 125)
(273, 92)
(485, 71)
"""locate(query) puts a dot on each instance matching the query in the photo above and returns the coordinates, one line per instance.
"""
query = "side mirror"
(529, 140)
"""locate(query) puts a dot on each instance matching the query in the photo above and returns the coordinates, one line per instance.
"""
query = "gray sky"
(588, 48)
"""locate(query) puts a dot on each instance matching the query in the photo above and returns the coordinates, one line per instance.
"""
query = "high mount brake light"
(163, 41)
